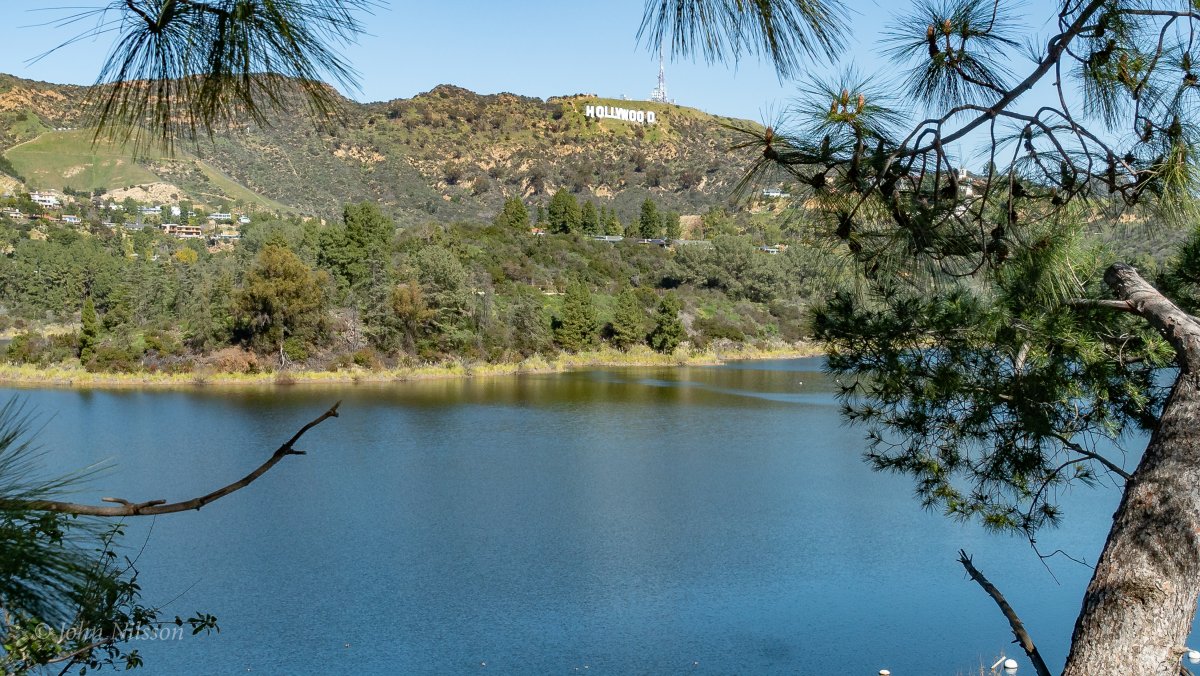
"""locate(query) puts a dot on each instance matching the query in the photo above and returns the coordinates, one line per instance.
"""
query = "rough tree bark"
(1139, 606)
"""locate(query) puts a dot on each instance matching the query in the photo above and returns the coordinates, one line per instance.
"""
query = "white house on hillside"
(44, 199)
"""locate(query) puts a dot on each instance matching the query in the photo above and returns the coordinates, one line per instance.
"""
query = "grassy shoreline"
(68, 376)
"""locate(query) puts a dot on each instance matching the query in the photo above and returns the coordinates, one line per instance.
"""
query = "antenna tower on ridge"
(659, 95)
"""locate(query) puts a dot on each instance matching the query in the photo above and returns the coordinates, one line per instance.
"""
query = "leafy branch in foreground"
(989, 356)
(780, 30)
(179, 68)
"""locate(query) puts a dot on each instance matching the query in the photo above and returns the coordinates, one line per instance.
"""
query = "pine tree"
(650, 222)
(564, 214)
(529, 330)
(629, 321)
(612, 224)
(280, 299)
(578, 327)
(668, 330)
(672, 227)
(590, 219)
(988, 366)
(513, 215)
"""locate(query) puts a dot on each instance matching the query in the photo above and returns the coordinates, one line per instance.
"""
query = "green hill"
(62, 159)
(446, 154)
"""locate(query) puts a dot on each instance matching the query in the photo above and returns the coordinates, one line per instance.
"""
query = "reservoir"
(710, 520)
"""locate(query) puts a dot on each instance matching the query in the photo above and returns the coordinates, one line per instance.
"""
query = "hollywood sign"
(623, 114)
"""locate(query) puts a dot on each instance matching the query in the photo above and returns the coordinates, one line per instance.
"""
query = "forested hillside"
(295, 293)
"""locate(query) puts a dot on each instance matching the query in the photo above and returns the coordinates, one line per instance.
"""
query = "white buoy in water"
(1193, 656)
(884, 672)
(1010, 663)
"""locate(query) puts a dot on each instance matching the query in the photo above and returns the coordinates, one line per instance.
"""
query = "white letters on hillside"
(623, 114)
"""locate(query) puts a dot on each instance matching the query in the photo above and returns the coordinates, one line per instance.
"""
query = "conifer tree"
(668, 329)
(578, 327)
(629, 321)
(280, 299)
(612, 224)
(650, 223)
(589, 219)
(564, 214)
(672, 227)
(514, 214)
(989, 356)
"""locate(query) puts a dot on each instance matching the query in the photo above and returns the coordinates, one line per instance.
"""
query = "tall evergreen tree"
(590, 219)
(345, 250)
(564, 214)
(280, 299)
(612, 223)
(514, 214)
(650, 223)
(668, 330)
(528, 325)
(578, 326)
(672, 227)
(629, 321)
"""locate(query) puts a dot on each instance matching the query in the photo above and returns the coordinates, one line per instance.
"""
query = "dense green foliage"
(629, 320)
(360, 291)
(668, 330)
(564, 213)
(280, 305)
(577, 328)
(514, 214)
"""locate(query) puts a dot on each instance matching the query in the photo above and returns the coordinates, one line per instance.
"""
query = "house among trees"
(45, 199)
(182, 231)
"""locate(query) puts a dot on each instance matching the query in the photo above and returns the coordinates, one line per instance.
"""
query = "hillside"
(446, 154)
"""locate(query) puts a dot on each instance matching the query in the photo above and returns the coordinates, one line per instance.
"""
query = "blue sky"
(540, 48)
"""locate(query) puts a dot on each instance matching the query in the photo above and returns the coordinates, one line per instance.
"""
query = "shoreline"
(75, 377)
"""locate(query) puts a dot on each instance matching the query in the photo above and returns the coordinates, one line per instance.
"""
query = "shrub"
(234, 360)
(295, 349)
(34, 348)
(366, 358)
(163, 343)
(113, 359)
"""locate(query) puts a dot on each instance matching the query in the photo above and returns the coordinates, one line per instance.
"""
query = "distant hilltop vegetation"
(446, 154)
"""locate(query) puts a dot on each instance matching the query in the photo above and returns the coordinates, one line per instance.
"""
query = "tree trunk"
(1139, 606)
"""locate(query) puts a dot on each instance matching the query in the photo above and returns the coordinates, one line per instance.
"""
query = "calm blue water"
(703, 520)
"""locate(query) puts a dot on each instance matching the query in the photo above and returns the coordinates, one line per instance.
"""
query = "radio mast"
(659, 95)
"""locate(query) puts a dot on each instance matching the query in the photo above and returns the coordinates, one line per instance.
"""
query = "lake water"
(700, 520)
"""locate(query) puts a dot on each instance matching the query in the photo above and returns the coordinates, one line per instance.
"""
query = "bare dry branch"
(153, 507)
(1018, 628)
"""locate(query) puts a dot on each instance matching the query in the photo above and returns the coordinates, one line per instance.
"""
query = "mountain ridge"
(445, 154)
